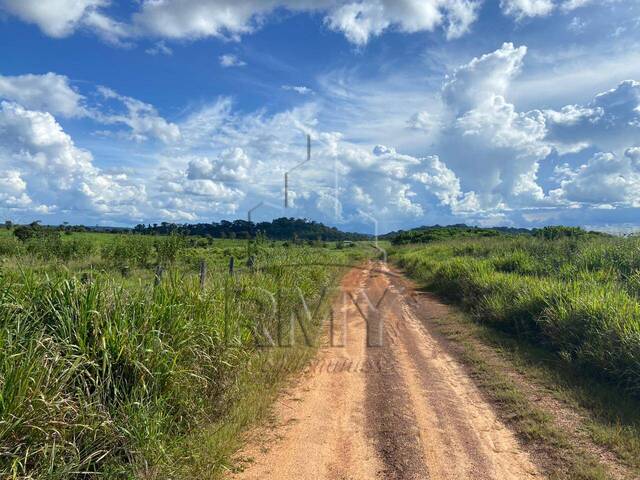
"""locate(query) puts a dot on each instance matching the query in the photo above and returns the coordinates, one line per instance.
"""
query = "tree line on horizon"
(434, 233)
(278, 229)
(298, 229)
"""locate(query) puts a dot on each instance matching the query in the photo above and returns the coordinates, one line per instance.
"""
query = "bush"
(10, 246)
(202, 242)
(167, 248)
(78, 248)
(554, 233)
(27, 232)
(433, 234)
(128, 250)
(45, 246)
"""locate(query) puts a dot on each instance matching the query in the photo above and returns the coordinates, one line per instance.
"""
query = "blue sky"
(489, 112)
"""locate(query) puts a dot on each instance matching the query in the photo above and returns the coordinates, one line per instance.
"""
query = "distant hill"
(433, 233)
(278, 229)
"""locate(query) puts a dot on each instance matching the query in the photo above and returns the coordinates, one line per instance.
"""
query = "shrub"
(26, 232)
(128, 250)
(10, 246)
(45, 246)
(554, 233)
(167, 248)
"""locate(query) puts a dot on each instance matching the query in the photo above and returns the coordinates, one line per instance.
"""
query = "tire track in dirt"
(397, 406)
(392, 423)
(462, 435)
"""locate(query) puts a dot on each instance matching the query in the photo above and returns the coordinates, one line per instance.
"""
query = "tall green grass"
(577, 296)
(99, 375)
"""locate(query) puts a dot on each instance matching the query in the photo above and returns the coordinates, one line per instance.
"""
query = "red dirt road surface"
(386, 401)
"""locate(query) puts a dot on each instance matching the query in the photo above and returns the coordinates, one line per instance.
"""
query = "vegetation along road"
(473, 356)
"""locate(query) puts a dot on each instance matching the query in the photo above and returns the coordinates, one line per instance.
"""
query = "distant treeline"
(437, 232)
(65, 227)
(278, 229)
(301, 229)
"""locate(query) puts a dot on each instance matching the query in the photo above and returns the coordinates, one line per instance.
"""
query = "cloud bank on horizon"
(421, 112)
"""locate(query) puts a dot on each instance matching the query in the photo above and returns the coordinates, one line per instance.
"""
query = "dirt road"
(384, 401)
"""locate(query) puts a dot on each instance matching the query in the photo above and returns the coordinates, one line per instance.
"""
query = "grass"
(564, 314)
(610, 418)
(207, 453)
(104, 373)
(578, 297)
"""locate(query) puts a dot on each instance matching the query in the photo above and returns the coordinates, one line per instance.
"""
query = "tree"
(8, 224)
(33, 230)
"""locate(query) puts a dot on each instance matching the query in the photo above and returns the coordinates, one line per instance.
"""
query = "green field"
(108, 369)
(576, 295)
(118, 360)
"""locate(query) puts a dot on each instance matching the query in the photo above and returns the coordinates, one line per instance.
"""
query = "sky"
(486, 112)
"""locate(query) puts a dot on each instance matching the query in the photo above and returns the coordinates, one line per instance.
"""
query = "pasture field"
(109, 369)
(121, 358)
(577, 296)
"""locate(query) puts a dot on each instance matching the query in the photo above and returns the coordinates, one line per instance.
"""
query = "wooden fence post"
(251, 262)
(158, 277)
(231, 266)
(203, 274)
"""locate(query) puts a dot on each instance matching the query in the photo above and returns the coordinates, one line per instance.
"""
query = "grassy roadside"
(207, 453)
(560, 318)
(577, 428)
(115, 372)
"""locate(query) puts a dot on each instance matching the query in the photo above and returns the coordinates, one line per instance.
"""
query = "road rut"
(384, 399)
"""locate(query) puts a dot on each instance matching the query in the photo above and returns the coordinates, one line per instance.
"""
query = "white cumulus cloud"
(483, 77)
(49, 92)
(611, 121)
(57, 18)
(493, 148)
(45, 171)
(357, 20)
(231, 165)
(606, 179)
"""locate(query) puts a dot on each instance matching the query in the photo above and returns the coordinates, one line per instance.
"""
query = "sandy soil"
(384, 400)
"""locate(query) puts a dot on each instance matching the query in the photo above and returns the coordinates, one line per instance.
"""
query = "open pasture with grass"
(115, 348)
(576, 293)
